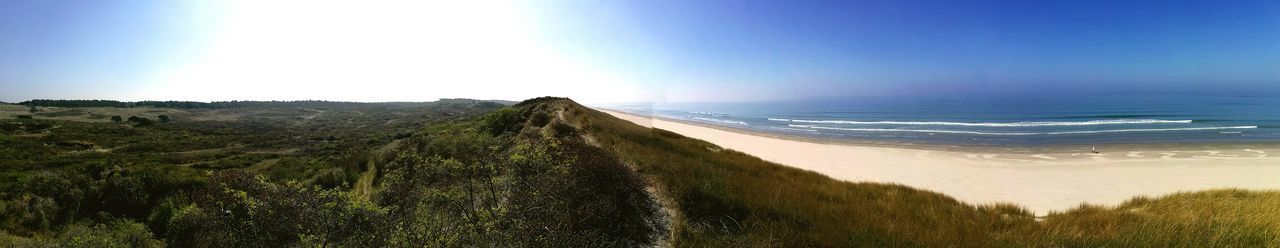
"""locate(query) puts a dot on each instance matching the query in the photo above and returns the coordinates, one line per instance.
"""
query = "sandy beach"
(1040, 180)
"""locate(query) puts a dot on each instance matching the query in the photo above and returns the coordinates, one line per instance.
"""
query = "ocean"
(996, 121)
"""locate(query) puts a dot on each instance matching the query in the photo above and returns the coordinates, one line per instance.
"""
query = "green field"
(546, 172)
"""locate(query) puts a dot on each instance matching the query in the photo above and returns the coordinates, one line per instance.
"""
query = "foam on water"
(1029, 121)
(707, 113)
(793, 129)
(993, 124)
(720, 121)
(1022, 133)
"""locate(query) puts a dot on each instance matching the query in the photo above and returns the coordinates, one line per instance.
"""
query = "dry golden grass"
(1218, 218)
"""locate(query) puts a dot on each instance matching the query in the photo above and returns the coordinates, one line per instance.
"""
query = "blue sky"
(602, 51)
(85, 49)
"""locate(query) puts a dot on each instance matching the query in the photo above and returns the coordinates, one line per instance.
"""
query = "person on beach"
(1093, 149)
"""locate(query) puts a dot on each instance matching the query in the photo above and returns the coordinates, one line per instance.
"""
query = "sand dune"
(1040, 181)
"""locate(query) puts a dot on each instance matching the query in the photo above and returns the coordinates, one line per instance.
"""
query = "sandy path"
(1041, 182)
(364, 185)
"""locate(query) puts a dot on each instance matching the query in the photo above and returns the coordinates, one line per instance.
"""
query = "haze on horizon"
(631, 51)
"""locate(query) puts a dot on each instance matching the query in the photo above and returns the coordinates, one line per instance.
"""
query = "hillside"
(726, 198)
(465, 173)
(546, 172)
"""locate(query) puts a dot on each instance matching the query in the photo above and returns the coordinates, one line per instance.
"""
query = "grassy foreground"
(726, 198)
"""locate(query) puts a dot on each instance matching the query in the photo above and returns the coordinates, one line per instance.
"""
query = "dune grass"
(727, 198)
(1217, 218)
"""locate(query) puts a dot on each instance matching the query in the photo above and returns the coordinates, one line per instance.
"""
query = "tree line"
(186, 104)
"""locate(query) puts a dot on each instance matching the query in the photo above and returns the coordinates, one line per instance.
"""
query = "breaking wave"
(1022, 133)
(720, 121)
(991, 124)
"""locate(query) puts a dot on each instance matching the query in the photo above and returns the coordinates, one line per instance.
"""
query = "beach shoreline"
(1042, 179)
(983, 147)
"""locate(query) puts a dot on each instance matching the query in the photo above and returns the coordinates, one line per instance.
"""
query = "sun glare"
(383, 51)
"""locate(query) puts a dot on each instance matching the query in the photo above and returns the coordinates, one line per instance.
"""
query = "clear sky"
(613, 51)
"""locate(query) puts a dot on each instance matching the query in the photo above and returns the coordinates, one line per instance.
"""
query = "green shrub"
(141, 121)
(237, 209)
(115, 233)
(502, 121)
(118, 233)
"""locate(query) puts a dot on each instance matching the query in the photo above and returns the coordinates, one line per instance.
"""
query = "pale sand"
(1040, 181)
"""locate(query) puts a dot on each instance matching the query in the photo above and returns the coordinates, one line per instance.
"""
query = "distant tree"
(164, 118)
(140, 121)
(116, 119)
(76, 103)
(33, 109)
(199, 105)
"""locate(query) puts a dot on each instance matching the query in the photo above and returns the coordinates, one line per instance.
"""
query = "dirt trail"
(364, 186)
(262, 165)
(210, 150)
(317, 114)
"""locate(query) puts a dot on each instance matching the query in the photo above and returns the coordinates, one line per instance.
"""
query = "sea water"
(1016, 121)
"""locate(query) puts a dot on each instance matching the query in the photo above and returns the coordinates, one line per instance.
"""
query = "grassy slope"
(729, 198)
